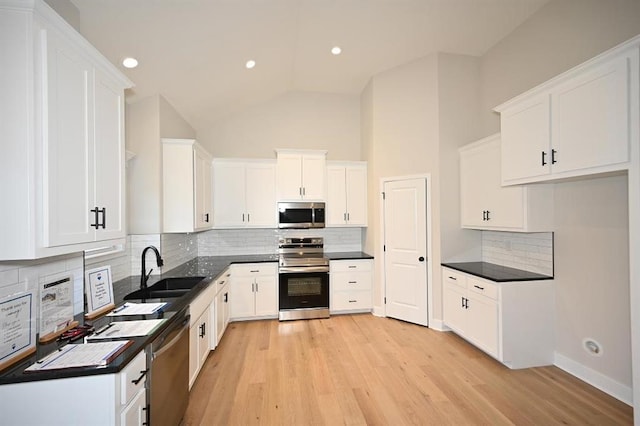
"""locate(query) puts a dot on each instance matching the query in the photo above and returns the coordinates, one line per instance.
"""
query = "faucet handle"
(149, 274)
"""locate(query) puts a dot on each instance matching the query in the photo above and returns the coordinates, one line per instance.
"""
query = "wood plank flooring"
(361, 369)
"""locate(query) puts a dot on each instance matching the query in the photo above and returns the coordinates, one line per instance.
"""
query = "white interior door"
(405, 223)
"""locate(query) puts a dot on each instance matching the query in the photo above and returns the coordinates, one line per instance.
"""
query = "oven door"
(303, 290)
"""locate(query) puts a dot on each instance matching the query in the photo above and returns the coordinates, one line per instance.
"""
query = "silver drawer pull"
(255, 270)
(352, 301)
(478, 287)
(353, 266)
(353, 282)
(453, 278)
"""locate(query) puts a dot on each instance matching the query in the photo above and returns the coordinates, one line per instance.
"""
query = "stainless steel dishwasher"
(169, 373)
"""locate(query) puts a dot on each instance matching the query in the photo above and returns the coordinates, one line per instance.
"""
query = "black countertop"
(209, 267)
(347, 255)
(497, 273)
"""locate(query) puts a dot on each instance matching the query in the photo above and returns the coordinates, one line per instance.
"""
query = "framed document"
(56, 307)
(18, 331)
(99, 291)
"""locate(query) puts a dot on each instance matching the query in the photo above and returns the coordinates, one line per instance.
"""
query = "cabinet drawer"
(351, 265)
(449, 276)
(251, 269)
(349, 282)
(347, 300)
(134, 414)
(482, 287)
(222, 280)
(133, 378)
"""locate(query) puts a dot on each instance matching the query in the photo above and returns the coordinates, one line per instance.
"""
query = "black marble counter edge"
(208, 266)
(347, 255)
(507, 274)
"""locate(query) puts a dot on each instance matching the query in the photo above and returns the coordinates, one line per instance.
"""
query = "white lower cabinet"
(200, 332)
(222, 308)
(254, 290)
(109, 399)
(351, 282)
(511, 321)
(133, 396)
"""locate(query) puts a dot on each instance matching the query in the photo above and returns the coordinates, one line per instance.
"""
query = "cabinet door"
(204, 334)
(229, 194)
(336, 213)
(356, 191)
(454, 311)
(242, 297)
(202, 191)
(266, 295)
(478, 181)
(289, 173)
(261, 195)
(313, 177)
(194, 355)
(590, 121)
(526, 140)
(109, 157)
(482, 323)
(69, 168)
(135, 414)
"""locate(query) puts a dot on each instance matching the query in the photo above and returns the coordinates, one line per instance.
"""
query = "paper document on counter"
(119, 329)
(137, 309)
(81, 355)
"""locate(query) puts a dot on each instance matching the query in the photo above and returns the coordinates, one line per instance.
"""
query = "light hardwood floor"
(361, 369)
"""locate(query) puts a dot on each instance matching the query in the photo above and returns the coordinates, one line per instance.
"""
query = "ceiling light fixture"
(336, 50)
(130, 62)
(250, 64)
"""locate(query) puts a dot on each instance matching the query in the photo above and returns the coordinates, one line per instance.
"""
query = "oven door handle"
(302, 269)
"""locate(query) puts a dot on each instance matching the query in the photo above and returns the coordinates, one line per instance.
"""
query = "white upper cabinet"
(62, 156)
(301, 175)
(347, 193)
(186, 186)
(244, 193)
(485, 204)
(577, 124)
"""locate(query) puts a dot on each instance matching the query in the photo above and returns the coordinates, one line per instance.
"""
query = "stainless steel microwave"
(301, 215)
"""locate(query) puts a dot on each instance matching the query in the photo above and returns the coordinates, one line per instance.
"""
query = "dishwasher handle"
(182, 328)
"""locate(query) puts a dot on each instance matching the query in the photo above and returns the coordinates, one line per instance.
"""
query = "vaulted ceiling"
(193, 52)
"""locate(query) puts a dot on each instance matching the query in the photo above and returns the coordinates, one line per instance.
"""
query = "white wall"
(147, 122)
(561, 35)
(302, 120)
(592, 274)
(591, 259)
(415, 116)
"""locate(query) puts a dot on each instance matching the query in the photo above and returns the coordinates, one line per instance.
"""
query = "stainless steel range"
(303, 279)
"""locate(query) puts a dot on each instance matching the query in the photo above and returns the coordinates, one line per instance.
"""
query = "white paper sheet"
(137, 309)
(119, 329)
(81, 355)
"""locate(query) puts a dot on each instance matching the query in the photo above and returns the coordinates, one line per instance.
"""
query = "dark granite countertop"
(497, 273)
(347, 255)
(209, 267)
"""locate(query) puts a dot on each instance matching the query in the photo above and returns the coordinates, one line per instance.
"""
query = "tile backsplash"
(531, 251)
(221, 242)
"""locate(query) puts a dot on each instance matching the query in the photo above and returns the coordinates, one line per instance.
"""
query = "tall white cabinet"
(346, 193)
(62, 156)
(186, 186)
(244, 193)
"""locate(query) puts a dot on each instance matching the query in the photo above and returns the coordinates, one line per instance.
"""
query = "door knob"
(421, 258)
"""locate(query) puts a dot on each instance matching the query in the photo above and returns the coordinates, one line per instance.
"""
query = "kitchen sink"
(166, 287)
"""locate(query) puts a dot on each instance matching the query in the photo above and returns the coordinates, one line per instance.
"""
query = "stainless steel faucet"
(144, 277)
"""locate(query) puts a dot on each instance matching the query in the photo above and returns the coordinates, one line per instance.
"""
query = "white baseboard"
(606, 384)
(438, 325)
(378, 311)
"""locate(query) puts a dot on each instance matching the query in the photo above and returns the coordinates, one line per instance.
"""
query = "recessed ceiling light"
(130, 62)
(336, 50)
(250, 64)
